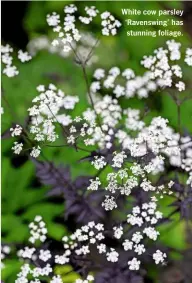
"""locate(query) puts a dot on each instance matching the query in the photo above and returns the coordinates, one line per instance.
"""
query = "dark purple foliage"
(78, 203)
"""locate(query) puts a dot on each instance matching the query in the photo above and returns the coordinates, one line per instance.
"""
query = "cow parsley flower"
(109, 23)
(134, 264)
(35, 151)
(151, 233)
(118, 232)
(53, 20)
(159, 257)
(91, 13)
(127, 245)
(139, 249)
(112, 255)
(99, 162)
(94, 184)
(24, 56)
(109, 203)
(7, 59)
(38, 230)
(101, 248)
(44, 255)
(137, 237)
(16, 131)
(99, 74)
(9, 70)
(118, 159)
(181, 86)
(17, 148)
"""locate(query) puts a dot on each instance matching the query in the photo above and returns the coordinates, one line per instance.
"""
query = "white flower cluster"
(123, 180)
(109, 23)
(159, 257)
(91, 13)
(16, 131)
(109, 203)
(92, 133)
(162, 73)
(94, 184)
(45, 255)
(112, 255)
(10, 70)
(99, 162)
(17, 147)
(38, 230)
(45, 113)
(24, 56)
(147, 214)
(69, 34)
(132, 85)
(80, 243)
(118, 159)
(134, 264)
(163, 70)
(89, 234)
(27, 271)
(26, 252)
(157, 137)
(118, 232)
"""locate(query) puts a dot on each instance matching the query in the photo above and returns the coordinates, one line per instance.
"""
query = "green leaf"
(67, 273)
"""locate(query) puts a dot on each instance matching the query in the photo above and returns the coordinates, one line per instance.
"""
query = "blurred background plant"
(25, 184)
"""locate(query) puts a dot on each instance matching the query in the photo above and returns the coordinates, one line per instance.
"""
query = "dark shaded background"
(12, 30)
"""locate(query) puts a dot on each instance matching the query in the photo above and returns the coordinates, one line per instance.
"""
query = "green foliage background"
(22, 199)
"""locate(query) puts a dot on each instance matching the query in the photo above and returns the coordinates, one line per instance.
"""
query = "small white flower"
(134, 264)
(112, 255)
(53, 20)
(24, 56)
(35, 151)
(118, 232)
(181, 86)
(16, 131)
(17, 148)
(99, 162)
(94, 184)
(45, 255)
(151, 233)
(139, 249)
(159, 257)
(10, 71)
(101, 248)
(127, 245)
(109, 203)
(137, 237)
(99, 74)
